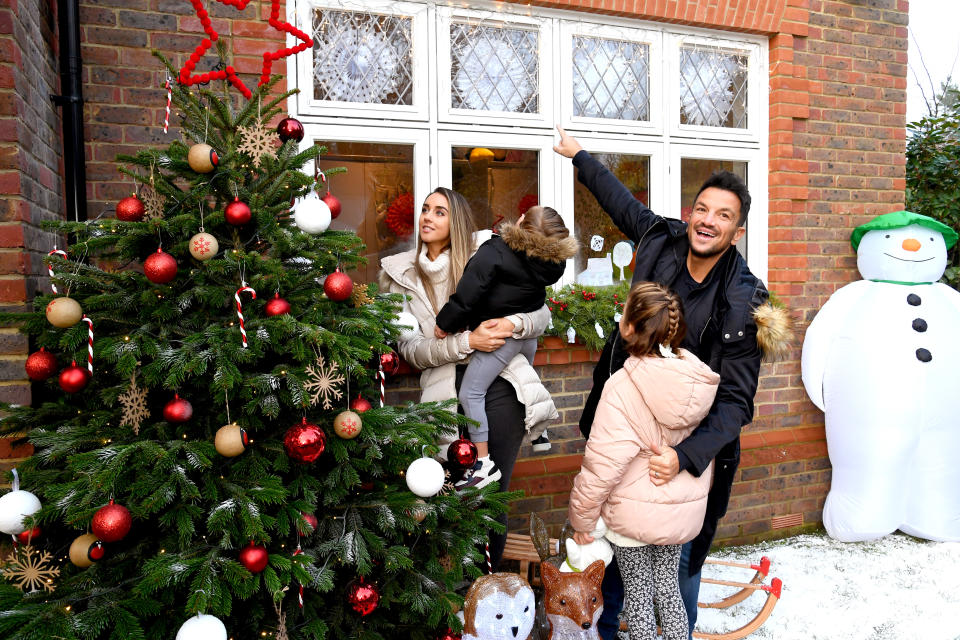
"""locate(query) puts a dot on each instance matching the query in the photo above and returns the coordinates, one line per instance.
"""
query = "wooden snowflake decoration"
(360, 297)
(448, 487)
(134, 403)
(29, 570)
(152, 204)
(322, 382)
(256, 141)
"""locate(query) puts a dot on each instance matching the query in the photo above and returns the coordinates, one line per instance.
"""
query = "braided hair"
(656, 315)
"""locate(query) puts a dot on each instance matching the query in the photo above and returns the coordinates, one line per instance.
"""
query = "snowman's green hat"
(899, 219)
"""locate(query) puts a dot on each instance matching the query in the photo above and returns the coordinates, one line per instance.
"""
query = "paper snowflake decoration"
(256, 141)
(152, 204)
(29, 570)
(322, 381)
(134, 403)
(360, 297)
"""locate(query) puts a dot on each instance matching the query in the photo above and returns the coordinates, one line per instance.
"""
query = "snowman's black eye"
(499, 616)
(931, 239)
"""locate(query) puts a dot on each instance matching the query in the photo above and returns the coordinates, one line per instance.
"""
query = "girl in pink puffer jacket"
(656, 400)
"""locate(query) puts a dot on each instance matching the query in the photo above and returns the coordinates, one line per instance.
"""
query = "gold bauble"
(204, 246)
(202, 158)
(418, 512)
(64, 312)
(231, 440)
(80, 550)
(347, 425)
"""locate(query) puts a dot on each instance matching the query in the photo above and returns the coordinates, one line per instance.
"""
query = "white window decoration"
(611, 79)
(713, 87)
(494, 68)
(362, 57)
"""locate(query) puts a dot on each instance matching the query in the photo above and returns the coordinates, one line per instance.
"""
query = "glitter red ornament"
(130, 209)
(41, 365)
(312, 521)
(390, 363)
(360, 404)
(73, 378)
(462, 453)
(290, 129)
(177, 410)
(333, 203)
(304, 442)
(363, 596)
(28, 536)
(160, 267)
(338, 286)
(449, 634)
(237, 213)
(254, 557)
(111, 523)
(277, 306)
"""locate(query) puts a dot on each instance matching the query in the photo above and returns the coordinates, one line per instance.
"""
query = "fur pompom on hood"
(538, 246)
(774, 331)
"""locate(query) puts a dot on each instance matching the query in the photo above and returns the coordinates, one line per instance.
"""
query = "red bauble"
(160, 267)
(304, 442)
(277, 306)
(334, 203)
(462, 453)
(360, 404)
(363, 596)
(111, 523)
(237, 213)
(177, 410)
(338, 286)
(41, 365)
(449, 634)
(312, 521)
(74, 378)
(130, 209)
(290, 129)
(28, 536)
(390, 363)
(254, 557)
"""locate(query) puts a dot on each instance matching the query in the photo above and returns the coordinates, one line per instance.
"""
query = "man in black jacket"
(719, 293)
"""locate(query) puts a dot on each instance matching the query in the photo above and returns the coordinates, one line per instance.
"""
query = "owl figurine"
(498, 606)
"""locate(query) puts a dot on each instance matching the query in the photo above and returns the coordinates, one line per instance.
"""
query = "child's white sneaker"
(542, 443)
(483, 472)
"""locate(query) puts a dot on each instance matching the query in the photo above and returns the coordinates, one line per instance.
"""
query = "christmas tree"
(196, 460)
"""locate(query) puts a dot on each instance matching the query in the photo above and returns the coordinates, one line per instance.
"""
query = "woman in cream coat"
(517, 403)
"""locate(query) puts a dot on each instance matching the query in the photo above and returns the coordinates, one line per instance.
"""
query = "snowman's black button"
(913, 300)
(920, 325)
(923, 355)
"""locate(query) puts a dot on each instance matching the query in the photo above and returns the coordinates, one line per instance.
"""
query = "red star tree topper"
(186, 72)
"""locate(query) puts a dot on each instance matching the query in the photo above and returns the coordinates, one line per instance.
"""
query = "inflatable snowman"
(882, 360)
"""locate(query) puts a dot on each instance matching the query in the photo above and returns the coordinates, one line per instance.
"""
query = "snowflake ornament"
(134, 403)
(256, 141)
(29, 570)
(360, 296)
(322, 381)
(152, 204)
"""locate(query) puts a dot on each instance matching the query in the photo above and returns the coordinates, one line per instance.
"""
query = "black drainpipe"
(74, 160)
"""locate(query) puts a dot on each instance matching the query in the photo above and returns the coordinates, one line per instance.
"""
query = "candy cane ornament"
(59, 252)
(89, 342)
(383, 379)
(236, 296)
(166, 117)
(300, 594)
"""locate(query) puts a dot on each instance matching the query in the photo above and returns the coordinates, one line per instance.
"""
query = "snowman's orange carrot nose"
(911, 245)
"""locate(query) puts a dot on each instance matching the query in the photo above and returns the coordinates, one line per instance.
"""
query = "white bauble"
(14, 507)
(202, 627)
(409, 327)
(425, 477)
(312, 214)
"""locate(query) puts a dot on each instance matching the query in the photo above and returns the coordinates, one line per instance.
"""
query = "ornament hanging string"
(89, 342)
(59, 252)
(226, 400)
(236, 296)
(166, 117)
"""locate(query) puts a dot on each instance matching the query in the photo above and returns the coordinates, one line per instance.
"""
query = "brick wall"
(837, 81)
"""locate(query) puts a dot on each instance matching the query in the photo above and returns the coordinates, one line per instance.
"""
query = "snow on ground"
(895, 588)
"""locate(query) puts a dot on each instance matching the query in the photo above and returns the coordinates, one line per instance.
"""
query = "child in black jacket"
(508, 274)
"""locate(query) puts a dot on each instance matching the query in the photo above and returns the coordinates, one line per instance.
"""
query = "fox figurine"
(572, 601)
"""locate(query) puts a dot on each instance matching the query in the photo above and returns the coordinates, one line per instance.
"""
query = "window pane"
(598, 263)
(376, 194)
(499, 183)
(713, 87)
(610, 79)
(362, 57)
(494, 68)
(694, 172)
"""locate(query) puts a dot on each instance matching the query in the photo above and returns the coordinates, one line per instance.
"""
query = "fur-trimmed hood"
(774, 331)
(537, 245)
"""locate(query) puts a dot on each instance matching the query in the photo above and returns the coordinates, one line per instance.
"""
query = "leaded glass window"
(713, 87)
(362, 57)
(611, 79)
(494, 67)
